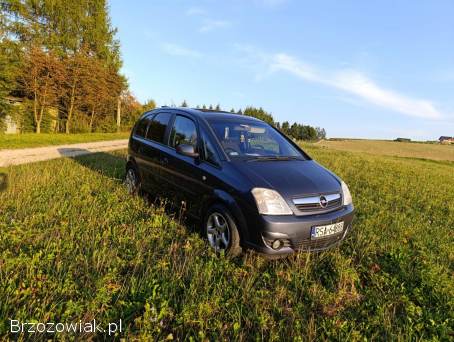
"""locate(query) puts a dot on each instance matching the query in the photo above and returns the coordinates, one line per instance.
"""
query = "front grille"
(320, 243)
(313, 203)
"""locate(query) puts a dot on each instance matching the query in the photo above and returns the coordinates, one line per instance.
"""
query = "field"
(75, 246)
(11, 141)
(392, 148)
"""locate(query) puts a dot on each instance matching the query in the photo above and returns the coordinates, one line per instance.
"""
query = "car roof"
(210, 114)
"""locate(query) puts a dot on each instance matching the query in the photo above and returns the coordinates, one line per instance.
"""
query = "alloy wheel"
(218, 231)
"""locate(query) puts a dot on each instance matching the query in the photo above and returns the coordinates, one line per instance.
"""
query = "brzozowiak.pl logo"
(18, 327)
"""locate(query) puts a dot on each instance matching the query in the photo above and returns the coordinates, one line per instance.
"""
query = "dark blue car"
(250, 185)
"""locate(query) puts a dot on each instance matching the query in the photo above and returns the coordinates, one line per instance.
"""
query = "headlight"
(269, 202)
(346, 194)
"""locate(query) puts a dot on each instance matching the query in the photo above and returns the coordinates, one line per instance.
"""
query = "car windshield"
(253, 140)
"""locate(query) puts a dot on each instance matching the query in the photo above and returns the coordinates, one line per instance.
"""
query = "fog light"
(277, 244)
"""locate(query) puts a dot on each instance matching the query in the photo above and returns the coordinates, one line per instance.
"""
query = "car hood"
(290, 177)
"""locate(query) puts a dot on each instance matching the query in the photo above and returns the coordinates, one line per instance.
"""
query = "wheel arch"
(223, 198)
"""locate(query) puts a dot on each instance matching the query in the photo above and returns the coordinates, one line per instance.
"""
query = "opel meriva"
(250, 185)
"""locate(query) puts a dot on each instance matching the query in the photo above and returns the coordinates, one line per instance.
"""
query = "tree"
(77, 68)
(78, 37)
(295, 131)
(148, 105)
(65, 27)
(218, 107)
(309, 133)
(285, 128)
(102, 91)
(41, 79)
(131, 109)
(232, 110)
(321, 133)
(204, 107)
(184, 104)
(259, 113)
(210, 107)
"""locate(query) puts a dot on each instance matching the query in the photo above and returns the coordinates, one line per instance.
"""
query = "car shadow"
(106, 164)
(113, 166)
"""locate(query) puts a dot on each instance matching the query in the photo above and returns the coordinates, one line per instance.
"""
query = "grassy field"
(10, 141)
(75, 246)
(392, 148)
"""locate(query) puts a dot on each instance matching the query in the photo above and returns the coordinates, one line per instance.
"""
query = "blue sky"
(370, 69)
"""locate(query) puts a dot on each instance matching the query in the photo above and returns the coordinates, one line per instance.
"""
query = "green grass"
(12, 141)
(433, 151)
(75, 246)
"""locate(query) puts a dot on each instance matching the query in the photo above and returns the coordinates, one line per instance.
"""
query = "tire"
(132, 179)
(221, 231)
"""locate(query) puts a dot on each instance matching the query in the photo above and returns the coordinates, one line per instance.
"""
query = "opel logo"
(323, 201)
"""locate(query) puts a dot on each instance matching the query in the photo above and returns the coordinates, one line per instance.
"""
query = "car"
(250, 186)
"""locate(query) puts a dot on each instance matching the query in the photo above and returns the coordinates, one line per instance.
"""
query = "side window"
(183, 132)
(209, 152)
(141, 128)
(158, 126)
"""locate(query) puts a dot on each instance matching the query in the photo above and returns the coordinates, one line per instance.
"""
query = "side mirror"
(187, 150)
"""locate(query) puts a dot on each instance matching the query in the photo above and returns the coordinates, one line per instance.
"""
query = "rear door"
(155, 140)
(137, 145)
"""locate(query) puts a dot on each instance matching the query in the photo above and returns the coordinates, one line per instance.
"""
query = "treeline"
(296, 130)
(59, 67)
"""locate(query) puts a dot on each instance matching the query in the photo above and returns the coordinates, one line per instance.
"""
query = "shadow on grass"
(106, 164)
(113, 166)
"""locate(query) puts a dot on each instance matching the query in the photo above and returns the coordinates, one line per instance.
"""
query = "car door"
(154, 142)
(137, 147)
(185, 178)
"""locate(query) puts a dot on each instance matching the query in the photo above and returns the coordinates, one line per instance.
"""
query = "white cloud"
(356, 83)
(177, 50)
(210, 25)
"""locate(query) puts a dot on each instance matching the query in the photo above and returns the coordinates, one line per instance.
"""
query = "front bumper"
(295, 231)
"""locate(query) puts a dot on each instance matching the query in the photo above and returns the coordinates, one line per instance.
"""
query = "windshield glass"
(247, 139)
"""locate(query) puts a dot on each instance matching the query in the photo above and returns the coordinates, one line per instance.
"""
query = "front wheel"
(221, 231)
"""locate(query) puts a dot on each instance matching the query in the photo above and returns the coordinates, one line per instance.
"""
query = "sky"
(359, 69)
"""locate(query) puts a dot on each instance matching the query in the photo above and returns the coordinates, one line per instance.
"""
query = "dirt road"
(30, 155)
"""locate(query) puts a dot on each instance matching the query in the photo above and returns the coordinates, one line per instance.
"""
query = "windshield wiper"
(271, 158)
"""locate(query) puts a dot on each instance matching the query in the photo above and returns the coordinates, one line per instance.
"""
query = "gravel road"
(30, 155)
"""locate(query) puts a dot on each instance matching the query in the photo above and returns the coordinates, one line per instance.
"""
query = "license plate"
(330, 229)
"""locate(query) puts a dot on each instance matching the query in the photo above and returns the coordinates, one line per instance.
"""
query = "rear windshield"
(247, 139)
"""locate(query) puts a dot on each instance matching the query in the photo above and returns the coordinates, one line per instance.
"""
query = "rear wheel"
(132, 180)
(221, 231)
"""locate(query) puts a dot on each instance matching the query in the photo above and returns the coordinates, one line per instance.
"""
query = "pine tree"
(184, 104)
(218, 107)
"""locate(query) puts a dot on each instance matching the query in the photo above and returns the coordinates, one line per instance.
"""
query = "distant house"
(12, 126)
(446, 140)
